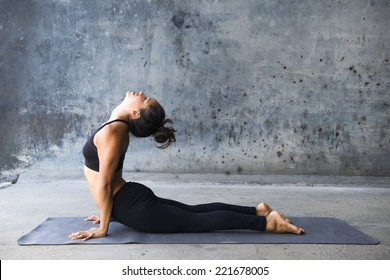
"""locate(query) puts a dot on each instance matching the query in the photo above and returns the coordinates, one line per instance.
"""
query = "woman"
(136, 205)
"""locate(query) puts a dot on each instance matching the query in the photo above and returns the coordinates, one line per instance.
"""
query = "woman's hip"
(131, 194)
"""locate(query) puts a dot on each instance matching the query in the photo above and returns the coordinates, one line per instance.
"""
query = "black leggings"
(136, 206)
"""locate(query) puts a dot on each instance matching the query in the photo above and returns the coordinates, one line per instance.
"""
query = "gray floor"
(361, 201)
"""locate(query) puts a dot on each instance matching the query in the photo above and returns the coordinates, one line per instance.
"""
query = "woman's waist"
(93, 177)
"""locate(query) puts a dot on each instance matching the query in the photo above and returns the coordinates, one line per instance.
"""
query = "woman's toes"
(276, 223)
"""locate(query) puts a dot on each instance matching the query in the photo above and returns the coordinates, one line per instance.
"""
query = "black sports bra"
(90, 151)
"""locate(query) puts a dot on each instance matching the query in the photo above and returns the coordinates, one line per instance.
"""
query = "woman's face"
(138, 100)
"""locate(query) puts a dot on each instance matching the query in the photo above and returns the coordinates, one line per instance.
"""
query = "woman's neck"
(119, 113)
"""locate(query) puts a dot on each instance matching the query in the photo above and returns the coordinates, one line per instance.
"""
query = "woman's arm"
(109, 143)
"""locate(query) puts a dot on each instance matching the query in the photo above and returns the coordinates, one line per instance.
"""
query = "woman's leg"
(262, 209)
(137, 206)
(208, 207)
(165, 218)
(157, 217)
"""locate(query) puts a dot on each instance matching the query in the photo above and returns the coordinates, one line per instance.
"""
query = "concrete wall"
(254, 87)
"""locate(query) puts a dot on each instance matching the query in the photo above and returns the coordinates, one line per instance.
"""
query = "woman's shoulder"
(116, 130)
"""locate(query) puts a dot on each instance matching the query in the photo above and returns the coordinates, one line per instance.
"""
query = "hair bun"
(165, 135)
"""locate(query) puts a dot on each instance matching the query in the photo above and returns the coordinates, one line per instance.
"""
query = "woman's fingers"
(91, 218)
(94, 218)
(89, 236)
(77, 235)
(80, 235)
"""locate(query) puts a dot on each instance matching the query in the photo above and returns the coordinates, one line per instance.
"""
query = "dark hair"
(152, 123)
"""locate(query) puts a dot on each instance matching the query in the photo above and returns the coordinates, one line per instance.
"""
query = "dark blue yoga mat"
(318, 230)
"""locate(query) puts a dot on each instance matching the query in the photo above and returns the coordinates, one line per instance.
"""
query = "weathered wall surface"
(254, 87)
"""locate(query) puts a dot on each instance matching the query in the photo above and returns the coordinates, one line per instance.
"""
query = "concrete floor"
(363, 202)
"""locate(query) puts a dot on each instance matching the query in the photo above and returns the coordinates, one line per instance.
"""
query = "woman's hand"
(88, 234)
(94, 218)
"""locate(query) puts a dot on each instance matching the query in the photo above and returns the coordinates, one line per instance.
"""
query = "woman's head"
(150, 120)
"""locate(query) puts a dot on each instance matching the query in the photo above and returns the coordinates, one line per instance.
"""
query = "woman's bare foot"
(263, 209)
(276, 223)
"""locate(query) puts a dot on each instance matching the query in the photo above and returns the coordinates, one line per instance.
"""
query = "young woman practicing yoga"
(134, 204)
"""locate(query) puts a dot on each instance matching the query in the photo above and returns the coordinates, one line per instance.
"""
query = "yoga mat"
(318, 230)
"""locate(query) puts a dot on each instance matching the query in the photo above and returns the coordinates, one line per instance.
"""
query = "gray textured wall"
(254, 87)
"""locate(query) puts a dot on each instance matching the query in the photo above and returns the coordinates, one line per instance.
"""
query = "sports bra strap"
(117, 120)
